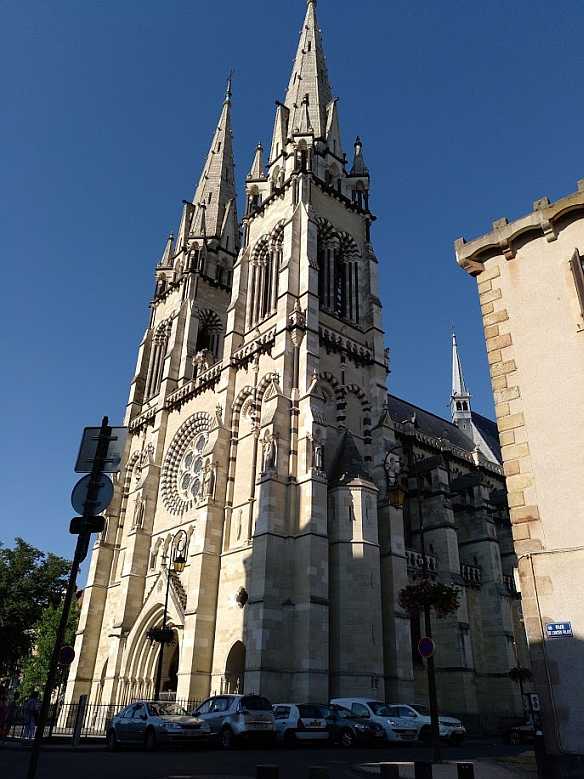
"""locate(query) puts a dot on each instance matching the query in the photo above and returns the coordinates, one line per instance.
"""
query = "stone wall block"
(490, 296)
(506, 394)
(491, 331)
(504, 367)
(499, 342)
(494, 357)
(507, 437)
(496, 317)
(524, 514)
(510, 421)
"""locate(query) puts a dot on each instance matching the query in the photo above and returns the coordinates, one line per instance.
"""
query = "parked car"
(153, 724)
(451, 729)
(347, 730)
(396, 729)
(300, 722)
(235, 718)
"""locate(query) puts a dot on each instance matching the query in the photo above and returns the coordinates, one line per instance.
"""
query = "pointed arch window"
(157, 357)
(209, 333)
(263, 278)
(338, 273)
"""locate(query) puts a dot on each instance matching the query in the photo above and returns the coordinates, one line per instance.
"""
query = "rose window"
(191, 470)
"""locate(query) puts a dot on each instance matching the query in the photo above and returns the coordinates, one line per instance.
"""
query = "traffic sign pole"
(81, 550)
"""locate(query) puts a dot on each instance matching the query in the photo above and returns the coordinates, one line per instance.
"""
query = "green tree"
(36, 666)
(30, 582)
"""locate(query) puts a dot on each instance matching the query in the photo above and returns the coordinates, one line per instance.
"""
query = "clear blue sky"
(469, 111)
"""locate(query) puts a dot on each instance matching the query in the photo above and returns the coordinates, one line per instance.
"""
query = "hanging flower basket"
(443, 598)
(519, 674)
(160, 635)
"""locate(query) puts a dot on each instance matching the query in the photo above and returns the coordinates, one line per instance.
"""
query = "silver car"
(236, 718)
(151, 724)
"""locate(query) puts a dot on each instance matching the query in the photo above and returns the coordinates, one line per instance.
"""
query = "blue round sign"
(426, 647)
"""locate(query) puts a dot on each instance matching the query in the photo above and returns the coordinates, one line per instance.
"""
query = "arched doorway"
(170, 660)
(234, 669)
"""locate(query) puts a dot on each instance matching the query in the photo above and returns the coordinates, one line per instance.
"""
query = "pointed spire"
(333, 129)
(257, 167)
(458, 385)
(167, 253)
(216, 188)
(359, 168)
(309, 77)
(460, 398)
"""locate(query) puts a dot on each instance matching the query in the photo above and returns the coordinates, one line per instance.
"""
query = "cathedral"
(264, 446)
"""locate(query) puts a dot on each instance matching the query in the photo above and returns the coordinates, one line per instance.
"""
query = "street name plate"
(88, 449)
(559, 630)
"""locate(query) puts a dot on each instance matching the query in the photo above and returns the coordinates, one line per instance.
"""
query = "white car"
(451, 728)
(300, 722)
(396, 728)
(237, 718)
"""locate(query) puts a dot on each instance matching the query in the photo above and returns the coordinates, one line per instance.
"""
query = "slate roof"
(426, 422)
(489, 431)
(348, 463)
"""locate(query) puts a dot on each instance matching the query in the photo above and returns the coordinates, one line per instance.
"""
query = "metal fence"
(90, 720)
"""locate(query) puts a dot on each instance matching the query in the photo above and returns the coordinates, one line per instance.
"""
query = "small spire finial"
(229, 90)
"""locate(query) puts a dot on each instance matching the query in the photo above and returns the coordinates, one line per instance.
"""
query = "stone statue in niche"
(202, 361)
(270, 453)
(239, 524)
(139, 509)
(317, 454)
(392, 468)
(208, 480)
(219, 414)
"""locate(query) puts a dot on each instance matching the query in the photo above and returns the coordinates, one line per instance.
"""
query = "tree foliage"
(443, 598)
(30, 582)
(36, 665)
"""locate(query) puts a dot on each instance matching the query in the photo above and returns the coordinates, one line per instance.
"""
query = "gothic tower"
(262, 436)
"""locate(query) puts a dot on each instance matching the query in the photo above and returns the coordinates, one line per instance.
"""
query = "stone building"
(260, 424)
(530, 276)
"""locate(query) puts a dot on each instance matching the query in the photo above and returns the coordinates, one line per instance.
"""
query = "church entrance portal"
(234, 669)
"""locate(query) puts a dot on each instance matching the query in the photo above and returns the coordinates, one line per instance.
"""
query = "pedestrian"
(31, 715)
(4, 714)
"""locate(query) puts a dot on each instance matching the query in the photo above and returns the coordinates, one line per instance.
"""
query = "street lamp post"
(177, 564)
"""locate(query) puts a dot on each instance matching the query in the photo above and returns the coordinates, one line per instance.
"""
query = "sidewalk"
(484, 769)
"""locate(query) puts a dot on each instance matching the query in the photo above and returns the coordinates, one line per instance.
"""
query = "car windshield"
(256, 703)
(306, 710)
(379, 709)
(166, 710)
(423, 710)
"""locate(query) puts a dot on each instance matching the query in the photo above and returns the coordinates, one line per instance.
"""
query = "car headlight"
(360, 726)
(393, 723)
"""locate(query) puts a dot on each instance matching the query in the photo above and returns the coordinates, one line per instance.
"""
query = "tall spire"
(460, 396)
(458, 385)
(309, 92)
(215, 193)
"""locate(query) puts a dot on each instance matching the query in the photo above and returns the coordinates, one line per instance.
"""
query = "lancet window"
(262, 286)
(156, 362)
(209, 333)
(338, 272)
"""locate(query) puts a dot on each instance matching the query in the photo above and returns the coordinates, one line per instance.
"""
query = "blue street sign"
(426, 647)
(559, 630)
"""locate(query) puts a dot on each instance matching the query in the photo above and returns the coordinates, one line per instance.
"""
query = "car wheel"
(112, 740)
(150, 740)
(227, 738)
(425, 735)
(347, 738)
(290, 738)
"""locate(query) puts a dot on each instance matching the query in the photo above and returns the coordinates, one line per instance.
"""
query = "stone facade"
(530, 276)
(260, 424)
